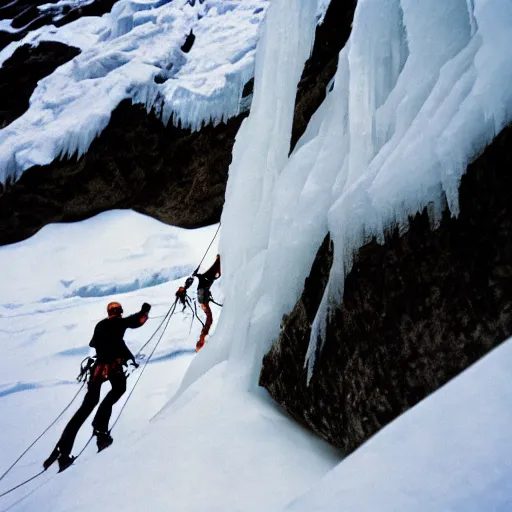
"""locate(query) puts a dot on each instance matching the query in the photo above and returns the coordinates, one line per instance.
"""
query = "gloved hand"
(145, 308)
(134, 363)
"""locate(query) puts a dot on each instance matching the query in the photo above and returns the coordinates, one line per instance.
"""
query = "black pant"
(100, 422)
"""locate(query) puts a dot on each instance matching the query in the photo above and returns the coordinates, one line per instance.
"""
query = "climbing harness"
(185, 300)
(167, 320)
(181, 293)
(85, 369)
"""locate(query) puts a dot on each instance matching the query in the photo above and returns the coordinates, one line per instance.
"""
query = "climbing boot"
(65, 461)
(103, 440)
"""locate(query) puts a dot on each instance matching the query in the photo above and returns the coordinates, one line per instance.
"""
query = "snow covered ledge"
(164, 172)
(451, 452)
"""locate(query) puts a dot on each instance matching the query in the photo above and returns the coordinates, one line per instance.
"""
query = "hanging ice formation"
(421, 88)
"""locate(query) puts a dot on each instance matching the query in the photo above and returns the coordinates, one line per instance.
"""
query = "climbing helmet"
(114, 309)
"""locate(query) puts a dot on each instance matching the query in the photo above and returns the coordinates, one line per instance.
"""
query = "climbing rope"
(189, 303)
(32, 444)
(25, 496)
(184, 298)
(40, 436)
(167, 318)
(23, 483)
(41, 472)
(214, 236)
(83, 449)
(156, 330)
(216, 303)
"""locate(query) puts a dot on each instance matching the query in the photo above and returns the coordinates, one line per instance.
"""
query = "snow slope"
(215, 448)
(452, 452)
(135, 52)
(114, 252)
(420, 89)
(218, 447)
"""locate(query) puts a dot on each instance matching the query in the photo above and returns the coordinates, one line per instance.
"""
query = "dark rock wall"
(330, 38)
(21, 72)
(417, 311)
(172, 174)
(27, 17)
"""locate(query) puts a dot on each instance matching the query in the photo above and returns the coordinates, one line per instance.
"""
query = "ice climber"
(204, 297)
(111, 355)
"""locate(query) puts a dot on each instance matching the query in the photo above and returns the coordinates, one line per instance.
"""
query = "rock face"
(174, 175)
(20, 73)
(26, 16)
(417, 311)
(330, 38)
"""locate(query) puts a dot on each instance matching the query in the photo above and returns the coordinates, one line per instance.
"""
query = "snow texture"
(58, 7)
(421, 88)
(135, 52)
(57, 11)
(5, 26)
(213, 435)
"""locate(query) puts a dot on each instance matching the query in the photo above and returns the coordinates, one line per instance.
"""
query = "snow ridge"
(97, 257)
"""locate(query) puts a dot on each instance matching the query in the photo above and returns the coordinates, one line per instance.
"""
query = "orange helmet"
(114, 309)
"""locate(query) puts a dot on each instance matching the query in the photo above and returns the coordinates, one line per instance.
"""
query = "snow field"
(215, 447)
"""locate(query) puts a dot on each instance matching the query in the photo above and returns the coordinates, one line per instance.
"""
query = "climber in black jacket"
(111, 354)
(204, 296)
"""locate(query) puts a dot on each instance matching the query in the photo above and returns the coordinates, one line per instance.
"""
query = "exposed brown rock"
(169, 173)
(21, 72)
(417, 311)
(26, 15)
(321, 67)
